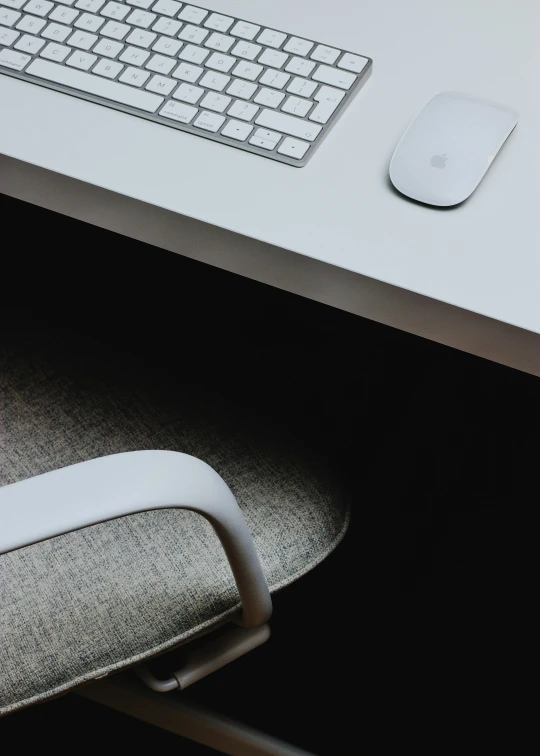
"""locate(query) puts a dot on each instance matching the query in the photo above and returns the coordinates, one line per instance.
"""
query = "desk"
(334, 231)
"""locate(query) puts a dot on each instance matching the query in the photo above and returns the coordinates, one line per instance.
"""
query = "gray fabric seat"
(88, 603)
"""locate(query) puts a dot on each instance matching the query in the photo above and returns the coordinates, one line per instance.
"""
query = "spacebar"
(95, 85)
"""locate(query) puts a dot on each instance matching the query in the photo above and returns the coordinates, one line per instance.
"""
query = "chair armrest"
(122, 484)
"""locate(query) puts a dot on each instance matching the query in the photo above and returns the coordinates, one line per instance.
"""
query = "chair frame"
(115, 486)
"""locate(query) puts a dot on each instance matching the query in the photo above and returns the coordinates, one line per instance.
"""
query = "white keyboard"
(230, 80)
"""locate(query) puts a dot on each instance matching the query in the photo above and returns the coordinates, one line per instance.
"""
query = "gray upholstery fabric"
(87, 603)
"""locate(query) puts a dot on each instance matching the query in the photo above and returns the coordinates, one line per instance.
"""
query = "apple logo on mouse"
(439, 161)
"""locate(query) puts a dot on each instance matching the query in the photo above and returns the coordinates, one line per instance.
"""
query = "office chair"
(225, 506)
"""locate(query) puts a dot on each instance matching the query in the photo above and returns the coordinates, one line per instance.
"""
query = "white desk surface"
(482, 257)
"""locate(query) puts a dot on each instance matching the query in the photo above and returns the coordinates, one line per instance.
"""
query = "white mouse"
(447, 149)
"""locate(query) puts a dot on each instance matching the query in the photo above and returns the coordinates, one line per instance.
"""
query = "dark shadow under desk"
(420, 611)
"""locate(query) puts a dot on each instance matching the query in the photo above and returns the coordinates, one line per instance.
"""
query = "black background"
(414, 635)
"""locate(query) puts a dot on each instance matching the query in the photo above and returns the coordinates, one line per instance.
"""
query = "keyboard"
(234, 81)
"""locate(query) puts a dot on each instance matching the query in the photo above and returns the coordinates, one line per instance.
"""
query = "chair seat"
(91, 602)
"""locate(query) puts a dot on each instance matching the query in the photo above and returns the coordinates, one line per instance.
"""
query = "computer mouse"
(445, 152)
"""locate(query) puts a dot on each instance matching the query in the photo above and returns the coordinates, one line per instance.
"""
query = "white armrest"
(123, 484)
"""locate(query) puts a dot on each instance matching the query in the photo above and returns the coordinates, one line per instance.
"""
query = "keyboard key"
(300, 66)
(209, 121)
(219, 42)
(161, 85)
(11, 59)
(243, 89)
(161, 64)
(134, 76)
(166, 7)
(81, 59)
(116, 11)
(134, 56)
(273, 58)
(269, 136)
(219, 23)
(328, 99)
(248, 71)
(324, 54)
(302, 87)
(145, 4)
(89, 22)
(188, 93)
(271, 38)
(31, 24)
(108, 68)
(298, 46)
(108, 47)
(269, 98)
(297, 106)
(15, 4)
(141, 38)
(293, 148)
(244, 110)
(92, 6)
(328, 75)
(267, 140)
(193, 34)
(218, 62)
(288, 125)
(178, 112)
(167, 46)
(167, 26)
(263, 143)
(246, 50)
(8, 17)
(54, 51)
(329, 94)
(245, 30)
(39, 7)
(115, 30)
(193, 15)
(63, 15)
(82, 40)
(57, 32)
(141, 18)
(8, 36)
(188, 73)
(237, 130)
(354, 63)
(194, 54)
(29, 45)
(216, 102)
(215, 81)
(275, 79)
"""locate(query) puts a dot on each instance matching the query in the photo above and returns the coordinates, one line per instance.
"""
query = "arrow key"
(293, 148)
(237, 130)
